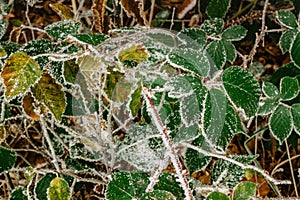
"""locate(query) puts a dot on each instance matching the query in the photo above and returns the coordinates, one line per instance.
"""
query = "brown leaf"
(134, 8)
(185, 7)
(28, 106)
(101, 20)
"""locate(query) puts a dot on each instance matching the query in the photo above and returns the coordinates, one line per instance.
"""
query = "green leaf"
(8, 159)
(289, 69)
(127, 185)
(287, 18)
(194, 160)
(234, 33)
(3, 27)
(86, 150)
(281, 123)
(158, 195)
(213, 26)
(217, 196)
(190, 60)
(193, 38)
(217, 52)
(42, 186)
(289, 88)
(244, 191)
(58, 190)
(230, 51)
(61, 29)
(144, 154)
(18, 194)
(48, 92)
(10, 47)
(217, 8)
(168, 182)
(228, 174)
(136, 102)
(296, 117)
(270, 90)
(19, 74)
(242, 88)
(267, 106)
(295, 50)
(92, 39)
(286, 39)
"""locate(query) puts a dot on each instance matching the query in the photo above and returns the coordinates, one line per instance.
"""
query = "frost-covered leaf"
(221, 122)
(62, 10)
(217, 196)
(214, 117)
(296, 117)
(242, 88)
(127, 185)
(92, 39)
(281, 123)
(42, 186)
(194, 38)
(289, 88)
(10, 47)
(290, 69)
(228, 174)
(144, 154)
(295, 50)
(158, 195)
(213, 26)
(182, 85)
(286, 39)
(191, 106)
(190, 60)
(49, 93)
(287, 18)
(87, 150)
(267, 106)
(168, 182)
(217, 52)
(133, 53)
(234, 33)
(60, 30)
(36, 47)
(3, 53)
(217, 8)
(230, 51)
(18, 194)
(244, 191)
(8, 159)
(186, 133)
(270, 90)
(19, 74)
(3, 27)
(194, 160)
(58, 190)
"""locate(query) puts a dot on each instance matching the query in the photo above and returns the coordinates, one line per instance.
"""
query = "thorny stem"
(262, 32)
(167, 142)
(243, 166)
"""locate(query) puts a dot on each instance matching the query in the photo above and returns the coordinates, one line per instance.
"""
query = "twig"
(151, 12)
(243, 166)
(172, 20)
(167, 142)
(291, 168)
(47, 137)
(28, 20)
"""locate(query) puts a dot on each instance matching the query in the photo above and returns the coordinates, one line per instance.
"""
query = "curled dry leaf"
(185, 7)
(62, 10)
(135, 8)
(101, 21)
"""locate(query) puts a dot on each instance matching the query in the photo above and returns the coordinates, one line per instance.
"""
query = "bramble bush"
(137, 112)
